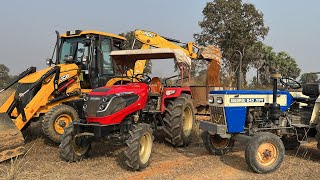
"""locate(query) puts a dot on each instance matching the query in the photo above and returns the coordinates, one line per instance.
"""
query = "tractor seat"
(155, 86)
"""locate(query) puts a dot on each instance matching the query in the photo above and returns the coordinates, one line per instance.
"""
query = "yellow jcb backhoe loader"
(82, 63)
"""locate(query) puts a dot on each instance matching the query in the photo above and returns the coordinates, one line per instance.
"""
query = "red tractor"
(129, 113)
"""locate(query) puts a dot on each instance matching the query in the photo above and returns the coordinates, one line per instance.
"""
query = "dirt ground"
(192, 162)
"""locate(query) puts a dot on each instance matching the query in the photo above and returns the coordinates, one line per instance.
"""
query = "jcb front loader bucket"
(11, 139)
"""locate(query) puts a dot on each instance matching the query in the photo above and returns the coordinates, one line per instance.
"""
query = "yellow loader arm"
(148, 38)
(211, 53)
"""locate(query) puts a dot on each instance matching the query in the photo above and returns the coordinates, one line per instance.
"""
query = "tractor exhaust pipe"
(275, 107)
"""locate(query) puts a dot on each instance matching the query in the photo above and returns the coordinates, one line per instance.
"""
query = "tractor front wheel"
(179, 120)
(73, 149)
(264, 152)
(139, 146)
(56, 119)
(215, 144)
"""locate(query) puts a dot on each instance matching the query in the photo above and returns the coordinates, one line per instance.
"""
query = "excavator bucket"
(11, 139)
(213, 54)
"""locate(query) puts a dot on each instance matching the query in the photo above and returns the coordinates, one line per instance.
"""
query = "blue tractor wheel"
(215, 144)
(264, 152)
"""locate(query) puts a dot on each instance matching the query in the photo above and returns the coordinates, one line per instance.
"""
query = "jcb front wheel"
(264, 152)
(56, 119)
(139, 147)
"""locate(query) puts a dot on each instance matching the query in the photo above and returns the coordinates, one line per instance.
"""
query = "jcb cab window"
(75, 48)
(107, 62)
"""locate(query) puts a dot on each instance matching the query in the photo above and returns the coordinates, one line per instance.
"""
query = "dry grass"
(193, 162)
(15, 167)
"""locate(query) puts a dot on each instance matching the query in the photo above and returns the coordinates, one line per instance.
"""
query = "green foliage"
(5, 78)
(287, 65)
(233, 26)
(130, 39)
(282, 62)
(309, 78)
(4, 75)
(137, 45)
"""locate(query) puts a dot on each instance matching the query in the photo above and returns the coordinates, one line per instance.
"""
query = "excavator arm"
(151, 39)
(210, 53)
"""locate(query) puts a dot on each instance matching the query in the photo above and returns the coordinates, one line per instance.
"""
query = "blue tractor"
(267, 121)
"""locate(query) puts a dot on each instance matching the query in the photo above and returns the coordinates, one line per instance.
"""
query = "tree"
(4, 75)
(233, 26)
(130, 39)
(137, 45)
(282, 61)
(308, 78)
(286, 65)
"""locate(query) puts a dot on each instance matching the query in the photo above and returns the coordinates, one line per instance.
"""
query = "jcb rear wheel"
(139, 147)
(179, 120)
(73, 149)
(56, 119)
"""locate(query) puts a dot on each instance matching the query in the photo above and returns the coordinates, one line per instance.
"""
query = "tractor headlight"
(102, 108)
(211, 99)
(170, 92)
(105, 99)
(85, 98)
(84, 107)
(219, 100)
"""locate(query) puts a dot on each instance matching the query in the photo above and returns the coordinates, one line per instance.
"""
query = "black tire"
(290, 143)
(177, 131)
(138, 135)
(215, 144)
(268, 160)
(52, 122)
(69, 149)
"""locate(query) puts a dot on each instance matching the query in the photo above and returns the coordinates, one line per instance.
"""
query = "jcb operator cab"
(90, 51)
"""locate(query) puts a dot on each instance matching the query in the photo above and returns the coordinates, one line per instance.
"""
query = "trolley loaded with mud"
(267, 121)
(129, 113)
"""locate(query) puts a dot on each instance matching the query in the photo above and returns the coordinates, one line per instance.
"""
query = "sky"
(27, 27)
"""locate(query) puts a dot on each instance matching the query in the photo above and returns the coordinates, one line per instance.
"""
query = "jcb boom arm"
(30, 70)
(148, 38)
(210, 53)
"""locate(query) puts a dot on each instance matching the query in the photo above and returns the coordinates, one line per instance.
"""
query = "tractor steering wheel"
(143, 78)
(290, 83)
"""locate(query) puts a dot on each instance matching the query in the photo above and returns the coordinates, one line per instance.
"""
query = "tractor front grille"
(217, 115)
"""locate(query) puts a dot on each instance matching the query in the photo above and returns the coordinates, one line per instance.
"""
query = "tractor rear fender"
(173, 92)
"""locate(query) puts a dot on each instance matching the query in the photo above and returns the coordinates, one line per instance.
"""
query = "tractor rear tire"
(264, 153)
(215, 144)
(69, 149)
(179, 120)
(56, 119)
(139, 147)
